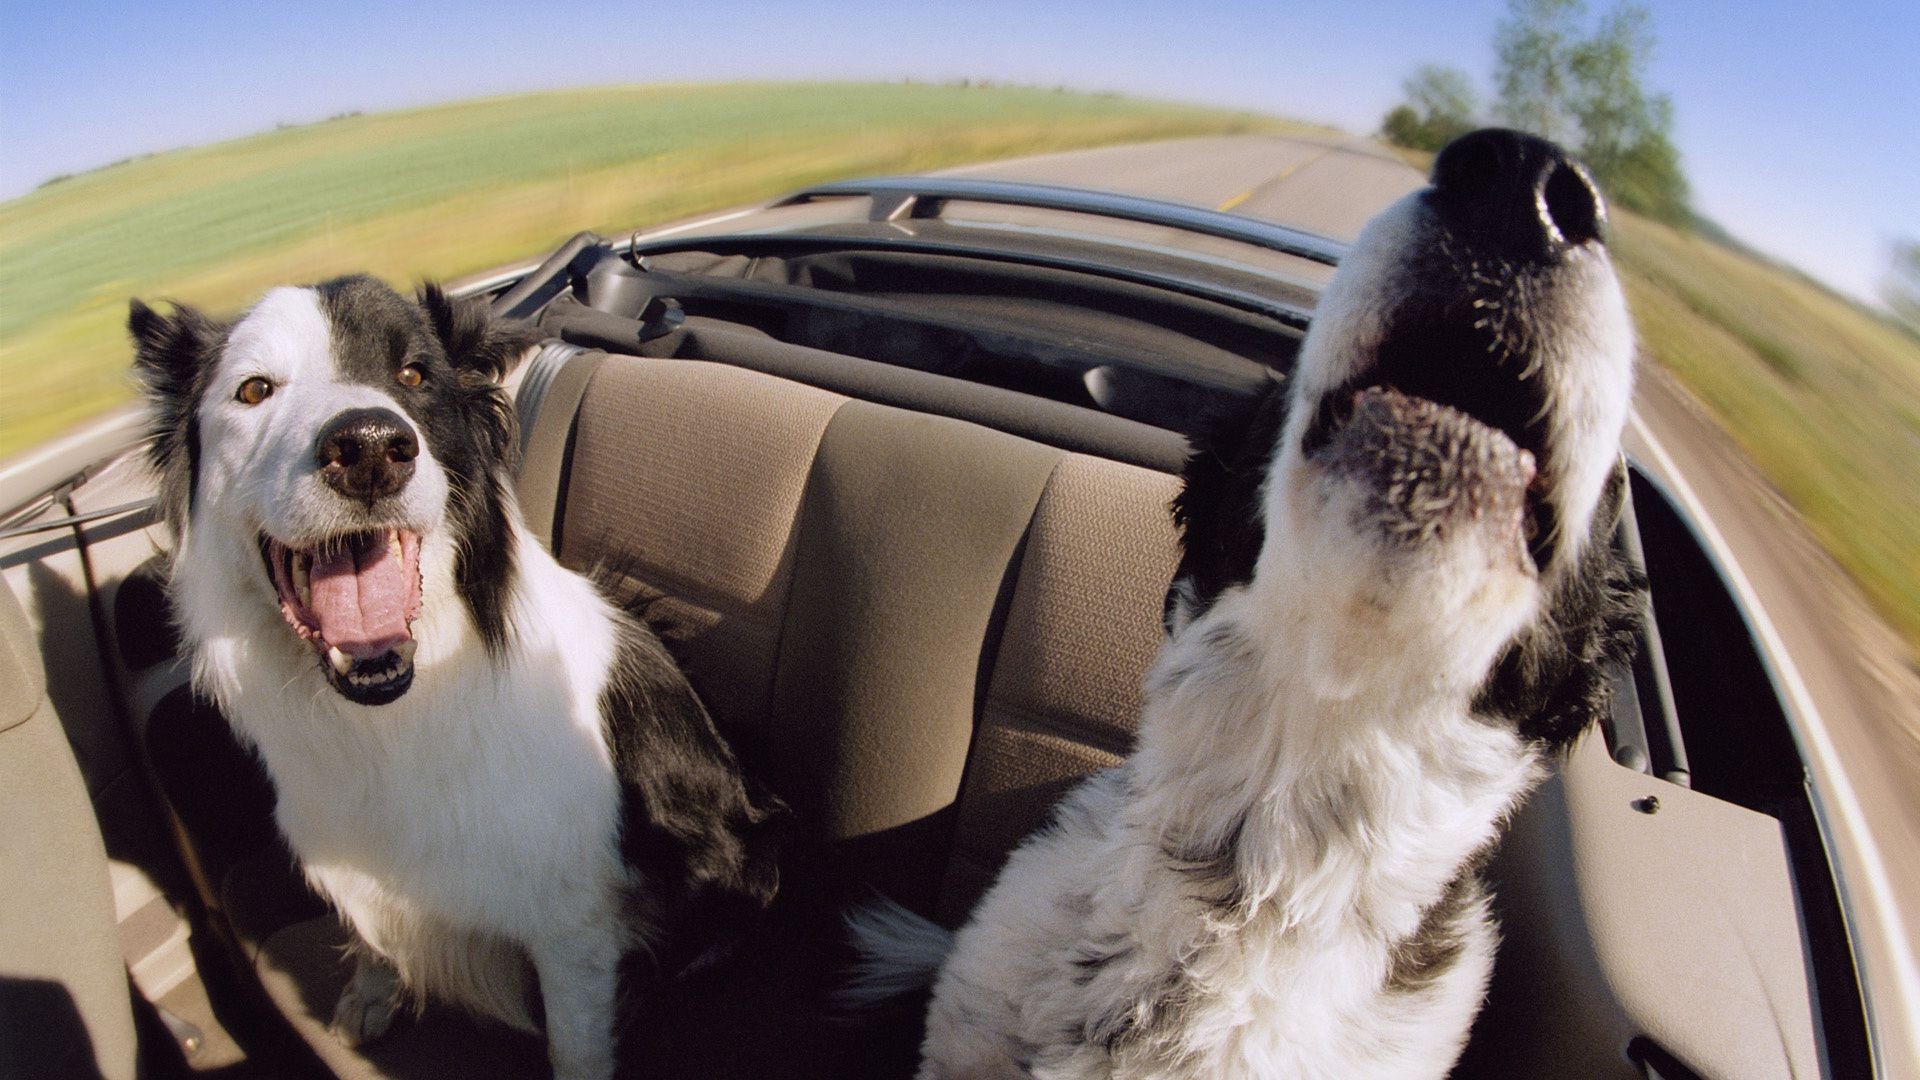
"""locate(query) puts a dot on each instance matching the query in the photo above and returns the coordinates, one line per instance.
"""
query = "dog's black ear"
(172, 355)
(1556, 681)
(474, 340)
(169, 350)
(1218, 508)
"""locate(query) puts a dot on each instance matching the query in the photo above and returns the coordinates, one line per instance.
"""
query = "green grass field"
(448, 190)
(1823, 396)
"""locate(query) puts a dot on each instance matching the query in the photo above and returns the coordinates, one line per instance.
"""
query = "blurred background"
(1760, 157)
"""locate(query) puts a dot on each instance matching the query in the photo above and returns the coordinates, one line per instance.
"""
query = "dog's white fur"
(1315, 723)
(466, 831)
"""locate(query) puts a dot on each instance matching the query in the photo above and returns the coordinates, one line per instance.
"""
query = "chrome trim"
(39, 469)
(895, 197)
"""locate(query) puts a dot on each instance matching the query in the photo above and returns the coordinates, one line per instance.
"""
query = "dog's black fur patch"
(1217, 510)
(704, 844)
(459, 408)
(1213, 871)
(1423, 957)
(1552, 682)
(1092, 963)
(1140, 1025)
(173, 359)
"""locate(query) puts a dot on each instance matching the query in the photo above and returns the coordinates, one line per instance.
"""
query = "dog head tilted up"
(335, 455)
(1452, 432)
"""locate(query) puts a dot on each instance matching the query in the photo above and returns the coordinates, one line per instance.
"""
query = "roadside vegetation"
(450, 190)
(1901, 290)
(1822, 394)
(1577, 83)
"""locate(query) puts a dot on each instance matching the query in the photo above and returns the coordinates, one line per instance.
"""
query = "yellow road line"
(1272, 180)
(1237, 199)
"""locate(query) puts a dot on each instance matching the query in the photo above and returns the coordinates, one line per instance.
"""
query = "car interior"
(901, 508)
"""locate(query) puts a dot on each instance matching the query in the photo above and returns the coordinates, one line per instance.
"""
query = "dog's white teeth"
(393, 545)
(302, 581)
(405, 651)
(342, 663)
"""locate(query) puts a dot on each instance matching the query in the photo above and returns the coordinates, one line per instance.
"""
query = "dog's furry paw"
(367, 1006)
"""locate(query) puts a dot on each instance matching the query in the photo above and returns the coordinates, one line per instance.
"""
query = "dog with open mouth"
(1396, 599)
(500, 780)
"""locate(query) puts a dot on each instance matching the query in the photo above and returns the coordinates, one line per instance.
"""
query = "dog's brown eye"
(254, 391)
(411, 375)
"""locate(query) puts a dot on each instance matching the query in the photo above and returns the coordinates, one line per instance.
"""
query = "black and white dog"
(1397, 597)
(499, 779)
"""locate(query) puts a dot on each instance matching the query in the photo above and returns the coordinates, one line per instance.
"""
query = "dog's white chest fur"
(483, 796)
(486, 797)
(1228, 901)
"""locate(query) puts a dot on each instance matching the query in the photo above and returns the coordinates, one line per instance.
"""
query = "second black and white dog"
(501, 781)
(1397, 596)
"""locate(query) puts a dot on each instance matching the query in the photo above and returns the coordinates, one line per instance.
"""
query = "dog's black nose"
(366, 454)
(1514, 192)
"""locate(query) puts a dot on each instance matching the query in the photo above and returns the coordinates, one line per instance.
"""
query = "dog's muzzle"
(354, 599)
(1469, 336)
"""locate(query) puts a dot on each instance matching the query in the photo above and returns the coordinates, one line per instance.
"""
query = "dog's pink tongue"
(360, 597)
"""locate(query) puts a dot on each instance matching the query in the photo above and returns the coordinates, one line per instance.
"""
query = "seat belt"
(549, 396)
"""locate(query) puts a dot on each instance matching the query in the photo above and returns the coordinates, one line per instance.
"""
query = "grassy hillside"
(443, 191)
(1823, 396)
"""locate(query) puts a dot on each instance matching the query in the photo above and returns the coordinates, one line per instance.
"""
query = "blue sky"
(1800, 128)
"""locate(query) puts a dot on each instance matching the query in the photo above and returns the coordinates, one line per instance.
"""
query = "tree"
(1401, 127)
(1605, 99)
(1647, 175)
(1585, 92)
(1901, 290)
(1446, 100)
(1441, 104)
(1533, 72)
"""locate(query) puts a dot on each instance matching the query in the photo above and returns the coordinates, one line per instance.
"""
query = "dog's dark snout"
(1515, 192)
(366, 453)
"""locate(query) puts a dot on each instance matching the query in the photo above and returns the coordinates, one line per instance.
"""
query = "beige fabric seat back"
(65, 1007)
(917, 630)
(1065, 695)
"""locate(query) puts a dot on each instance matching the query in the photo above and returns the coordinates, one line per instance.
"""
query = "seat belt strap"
(547, 401)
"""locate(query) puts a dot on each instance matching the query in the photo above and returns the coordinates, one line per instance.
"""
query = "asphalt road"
(1329, 186)
(1842, 663)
